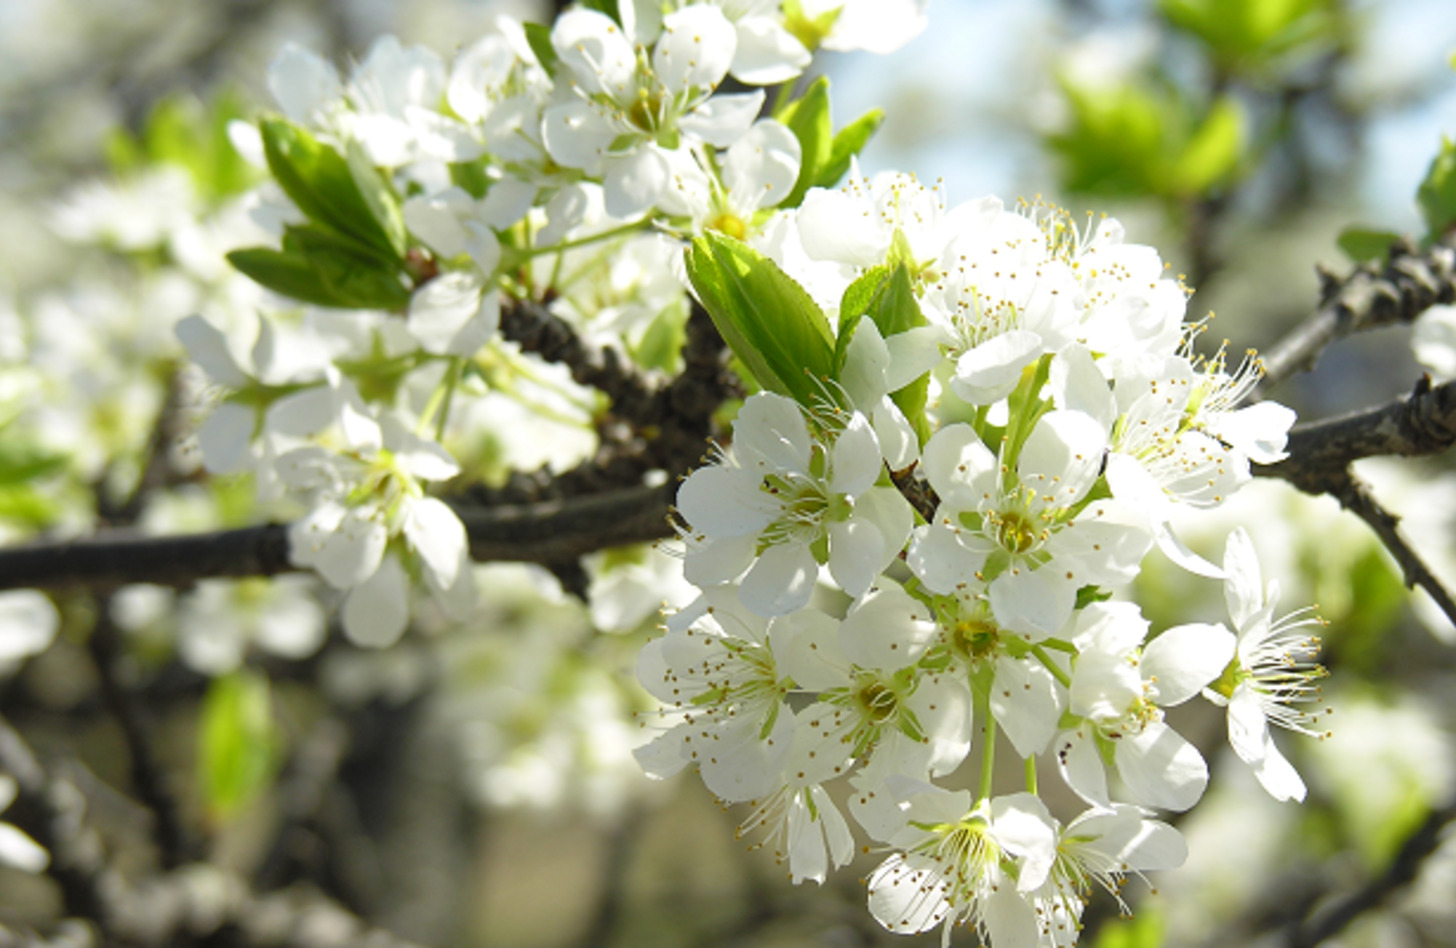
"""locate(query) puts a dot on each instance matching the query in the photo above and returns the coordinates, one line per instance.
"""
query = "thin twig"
(1407, 285)
(1401, 872)
(148, 776)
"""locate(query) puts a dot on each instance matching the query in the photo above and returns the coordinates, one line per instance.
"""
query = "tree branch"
(547, 532)
(1421, 424)
(1409, 284)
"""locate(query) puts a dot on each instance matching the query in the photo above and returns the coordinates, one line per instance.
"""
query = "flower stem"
(1031, 775)
(1051, 666)
(529, 252)
(988, 749)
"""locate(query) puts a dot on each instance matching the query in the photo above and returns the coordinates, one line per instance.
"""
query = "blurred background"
(474, 785)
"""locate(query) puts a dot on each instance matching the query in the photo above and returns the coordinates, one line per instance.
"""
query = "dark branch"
(1319, 452)
(548, 532)
(1402, 871)
(1409, 284)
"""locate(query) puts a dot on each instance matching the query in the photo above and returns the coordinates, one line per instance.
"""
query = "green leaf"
(23, 504)
(539, 38)
(808, 118)
(471, 176)
(1437, 193)
(237, 742)
(768, 320)
(848, 142)
(356, 279)
(1251, 36)
(21, 462)
(1145, 930)
(380, 197)
(1365, 246)
(321, 183)
(289, 274)
(855, 302)
(1212, 156)
(1116, 141)
(606, 7)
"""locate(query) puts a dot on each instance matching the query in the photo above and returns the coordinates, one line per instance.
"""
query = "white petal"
(958, 466)
(770, 433)
(724, 118)
(1278, 776)
(20, 851)
(940, 560)
(302, 82)
(888, 629)
(442, 307)
(1077, 384)
(695, 49)
(781, 581)
(436, 220)
(635, 181)
(1063, 455)
(856, 553)
(1185, 658)
(907, 897)
(806, 648)
(226, 437)
(1260, 431)
(1024, 828)
(1027, 702)
(724, 502)
(575, 135)
(28, 623)
(719, 560)
(594, 49)
(1036, 603)
(989, 372)
(762, 166)
(1161, 768)
(855, 458)
(438, 536)
(1248, 726)
(1080, 764)
(208, 347)
(1244, 587)
(377, 611)
(352, 553)
(767, 54)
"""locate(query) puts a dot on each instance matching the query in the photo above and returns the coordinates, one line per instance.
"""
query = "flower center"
(1016, 533)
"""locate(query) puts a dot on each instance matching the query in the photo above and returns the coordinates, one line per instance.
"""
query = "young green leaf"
(288, 274)
(768, 320)
(848, 142)
(379, 196)
(237, 742)
(1364, 246)
(1437, 193)
(539, 39)
(321, 183)
(808, 118)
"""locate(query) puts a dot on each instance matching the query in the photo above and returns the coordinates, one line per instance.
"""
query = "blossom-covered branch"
(1407, 285)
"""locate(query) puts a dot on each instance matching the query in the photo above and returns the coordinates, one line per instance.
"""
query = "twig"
(148, 775)
(1320, 455)
(1401, 872)
(1409, 284)
(193, 902)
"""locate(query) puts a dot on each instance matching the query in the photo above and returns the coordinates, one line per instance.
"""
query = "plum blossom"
(784, 499)
(1028, 536)
(628, 112)
(1271, 674)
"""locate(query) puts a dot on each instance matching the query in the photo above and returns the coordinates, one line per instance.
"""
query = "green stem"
(1031, 775)
(1051, 666)
(988, 749)
(451, 382)
(528, 253)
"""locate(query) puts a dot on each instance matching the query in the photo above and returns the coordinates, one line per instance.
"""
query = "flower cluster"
(971, 425)
(924, 554)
